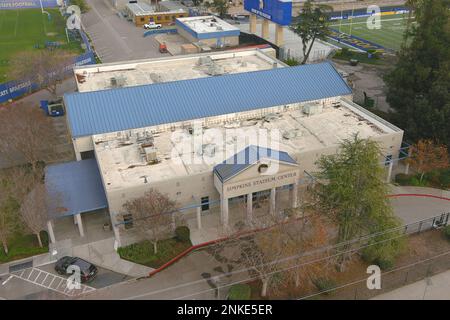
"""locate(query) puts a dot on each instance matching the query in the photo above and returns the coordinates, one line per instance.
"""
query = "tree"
(307, 235)
(34, 210)
(45, 68)
(418, 86)
(152, 215)
(353, 192)
(426, 156)
(312, 25)
(9, 222)
(219, 6)
(26, 135)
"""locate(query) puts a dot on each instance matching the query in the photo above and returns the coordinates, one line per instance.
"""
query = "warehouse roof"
(75, 187)
(142, 106)
(247, 157)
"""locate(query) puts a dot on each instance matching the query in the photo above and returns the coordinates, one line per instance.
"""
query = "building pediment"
(255, 169)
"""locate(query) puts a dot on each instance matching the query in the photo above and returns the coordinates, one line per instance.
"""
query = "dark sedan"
(87, 269)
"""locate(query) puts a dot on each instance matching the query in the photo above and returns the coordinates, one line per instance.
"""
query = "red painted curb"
(205, 244)
(417, 195)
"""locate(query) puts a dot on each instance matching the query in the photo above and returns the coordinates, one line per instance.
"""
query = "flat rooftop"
(207, 24)
(140, 8)
(148, 71)
(123, 165)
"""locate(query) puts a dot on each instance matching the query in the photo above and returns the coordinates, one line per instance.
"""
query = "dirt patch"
(417, 262)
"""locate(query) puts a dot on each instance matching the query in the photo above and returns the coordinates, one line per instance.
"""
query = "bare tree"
(45, 68)
(305, 236)
(26, 134)
(9, 222)
(34, 210)
(152, 215)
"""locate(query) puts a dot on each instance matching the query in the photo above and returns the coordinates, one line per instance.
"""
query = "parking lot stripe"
(61, 288)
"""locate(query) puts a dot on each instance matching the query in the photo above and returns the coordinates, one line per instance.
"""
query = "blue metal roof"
(247, 157)
(141, 106)
(76, 187)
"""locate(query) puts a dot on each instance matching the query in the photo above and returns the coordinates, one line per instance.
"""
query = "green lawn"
(23, 246)
(21, 29)
(142, 252)
(389, 36)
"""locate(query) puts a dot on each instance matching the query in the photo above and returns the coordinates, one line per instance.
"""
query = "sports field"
(389, 36)
(21, 30)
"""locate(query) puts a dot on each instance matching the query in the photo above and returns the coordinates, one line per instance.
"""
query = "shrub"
(324, 284)
(444, 178)
(384, 263)
(447, 232)
(345, 52)
(292, 62)
(182, 234)
(240, 292)
(403, 179)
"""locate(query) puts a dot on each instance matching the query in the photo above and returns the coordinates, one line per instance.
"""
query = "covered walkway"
(75, 188)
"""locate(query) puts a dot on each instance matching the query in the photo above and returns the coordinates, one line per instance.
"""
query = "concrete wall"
(226, 41)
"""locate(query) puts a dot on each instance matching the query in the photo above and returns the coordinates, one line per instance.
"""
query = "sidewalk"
(413, 207)
(102, 254)
(436, 287)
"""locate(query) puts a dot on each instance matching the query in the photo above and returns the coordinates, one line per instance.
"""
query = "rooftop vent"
(291, 134)
(215, 70)
(118, 82)
(205, 61)
(156, 78)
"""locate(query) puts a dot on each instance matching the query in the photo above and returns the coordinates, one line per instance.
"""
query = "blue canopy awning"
(74, 187)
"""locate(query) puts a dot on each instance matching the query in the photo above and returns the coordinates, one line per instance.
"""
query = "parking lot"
(115, 38)
(45, 283)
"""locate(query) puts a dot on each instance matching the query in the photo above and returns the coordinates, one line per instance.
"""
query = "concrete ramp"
(102, 254)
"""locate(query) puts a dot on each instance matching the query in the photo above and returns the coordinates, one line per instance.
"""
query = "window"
(142, 19)
(158, 18)
(388, 159)
(128, 220)
(205, 203)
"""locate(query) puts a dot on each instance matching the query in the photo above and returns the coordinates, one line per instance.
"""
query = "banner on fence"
(15, 89)
(27, 4)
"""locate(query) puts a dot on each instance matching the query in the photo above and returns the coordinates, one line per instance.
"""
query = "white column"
(252, 23)
(224, 211)
(294, 195)
(273, 195)
(279, 39)
(51, 234)
(199, 217)
(265, 29)
(391, 164)
(249, 207)
(80, 224)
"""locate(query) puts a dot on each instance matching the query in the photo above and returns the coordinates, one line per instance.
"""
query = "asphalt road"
(24, 289)
(115, 38)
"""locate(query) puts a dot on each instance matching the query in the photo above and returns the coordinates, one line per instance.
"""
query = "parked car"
(87, 269)
(152, 25)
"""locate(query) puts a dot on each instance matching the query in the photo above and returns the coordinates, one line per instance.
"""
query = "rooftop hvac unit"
(117, 82)
(219, 28)
(150, 154)
(208, 150)
(312, 108)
